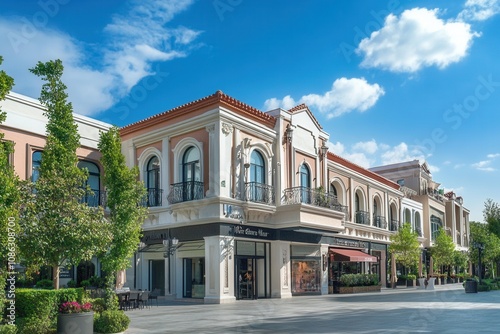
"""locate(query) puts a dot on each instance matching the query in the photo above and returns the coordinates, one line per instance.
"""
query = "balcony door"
(191, 172)
(305, 183)
(256, 190)
(153, 182)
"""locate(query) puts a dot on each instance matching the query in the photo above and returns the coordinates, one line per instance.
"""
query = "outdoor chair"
(143, 299)
(133, 300)
(154, 295)
(122, 300)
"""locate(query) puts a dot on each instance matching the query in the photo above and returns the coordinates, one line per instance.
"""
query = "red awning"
(351, 255)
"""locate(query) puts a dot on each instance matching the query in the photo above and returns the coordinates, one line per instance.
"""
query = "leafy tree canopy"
(405, 246)
(443, 251)
(491, 214)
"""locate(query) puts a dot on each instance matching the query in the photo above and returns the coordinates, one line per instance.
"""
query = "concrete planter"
(82, 323)
(359, 289)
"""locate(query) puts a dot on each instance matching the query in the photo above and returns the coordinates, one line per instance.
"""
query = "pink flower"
(74, 307)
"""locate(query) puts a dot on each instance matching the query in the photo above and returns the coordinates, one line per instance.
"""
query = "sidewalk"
(447, 309)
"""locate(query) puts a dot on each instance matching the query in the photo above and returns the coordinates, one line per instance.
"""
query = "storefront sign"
(66, 272)
(148, 238)
(251, 232)
(350, 243)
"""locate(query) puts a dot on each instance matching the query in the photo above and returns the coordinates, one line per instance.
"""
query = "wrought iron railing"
(94, 198)
(259, 192)
(153, 197)
(314, 197)
(394, 225)
(362, 217)
(380, 222)
(185, 191)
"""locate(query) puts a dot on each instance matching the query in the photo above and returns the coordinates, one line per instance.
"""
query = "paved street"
(448, 309)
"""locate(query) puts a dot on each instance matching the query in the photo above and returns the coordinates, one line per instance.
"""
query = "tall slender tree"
(125, 195)
(58, 228)
(9, 194)
(443, 250)
(405, 246)
(491, 214)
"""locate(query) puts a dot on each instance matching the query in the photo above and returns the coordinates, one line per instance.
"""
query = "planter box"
(359, 289)
(411, 283)
(81, 323)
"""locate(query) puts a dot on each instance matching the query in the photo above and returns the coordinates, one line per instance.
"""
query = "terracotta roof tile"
(377, 177)
(217, 98)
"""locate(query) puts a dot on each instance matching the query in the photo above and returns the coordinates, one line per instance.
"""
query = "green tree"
(58, 228)
(125, 195)
(480, 233)
(9, 194)
(443, 250)
(405, 247)
(491, 214)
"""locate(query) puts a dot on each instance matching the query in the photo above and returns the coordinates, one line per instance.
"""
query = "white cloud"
(400, 153)
(337, 148)
(369, 147)
(484, 166)
(479, 10)
(416, 39)
(346, 95)
(493, 155)
(135, 41)
(286, 103)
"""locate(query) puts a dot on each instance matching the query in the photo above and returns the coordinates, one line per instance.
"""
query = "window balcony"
(186, 191)
(362, 217)
(259, 193)
(313, 197)
(153, 197)
(394, 225)
(380, 222)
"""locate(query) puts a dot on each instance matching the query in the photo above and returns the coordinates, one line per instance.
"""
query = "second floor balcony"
(362, 217)
(259, 193)
(313, 197)
(380, 222)
(153, 197)
(186, 191)
(394, 225)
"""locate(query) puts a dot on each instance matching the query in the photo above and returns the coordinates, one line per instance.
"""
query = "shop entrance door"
(247, 272)
(157, 275)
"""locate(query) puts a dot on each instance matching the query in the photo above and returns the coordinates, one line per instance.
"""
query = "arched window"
(191, 174)
(36, 161)
(256, 190)
(333, 191)
(93, 182)
(305, 183)
(153, 182)
(257, 168)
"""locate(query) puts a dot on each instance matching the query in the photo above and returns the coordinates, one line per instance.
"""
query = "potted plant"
(411, 280)
(75, 317)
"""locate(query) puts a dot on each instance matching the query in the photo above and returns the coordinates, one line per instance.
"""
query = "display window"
(306, 276)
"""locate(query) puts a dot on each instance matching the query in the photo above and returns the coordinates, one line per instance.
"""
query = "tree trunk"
(55, 277)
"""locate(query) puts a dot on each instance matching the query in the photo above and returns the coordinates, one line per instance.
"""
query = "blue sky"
(390, 81)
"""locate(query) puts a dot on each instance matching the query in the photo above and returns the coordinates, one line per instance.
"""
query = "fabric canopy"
(351, 255)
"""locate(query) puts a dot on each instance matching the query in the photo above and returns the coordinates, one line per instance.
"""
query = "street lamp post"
(480, 248)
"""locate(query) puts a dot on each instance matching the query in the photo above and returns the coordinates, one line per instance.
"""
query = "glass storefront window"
(306, 276)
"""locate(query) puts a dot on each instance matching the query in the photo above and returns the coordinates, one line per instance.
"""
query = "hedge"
(359, 279)
(44, 303)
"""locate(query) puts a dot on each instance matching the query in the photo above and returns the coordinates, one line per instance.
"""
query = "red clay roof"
(217, 98)
(361, 170)
(303, 106)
